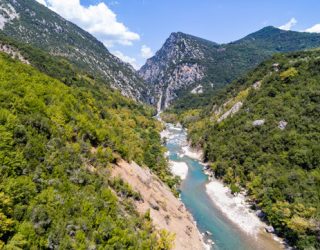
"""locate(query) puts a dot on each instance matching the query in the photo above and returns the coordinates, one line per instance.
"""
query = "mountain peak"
(187, 65)
(263, 33)
(177, 34)
(270, 28)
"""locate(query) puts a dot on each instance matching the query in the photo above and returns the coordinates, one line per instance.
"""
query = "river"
(220, 229)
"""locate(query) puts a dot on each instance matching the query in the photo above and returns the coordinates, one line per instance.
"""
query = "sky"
(134, 30)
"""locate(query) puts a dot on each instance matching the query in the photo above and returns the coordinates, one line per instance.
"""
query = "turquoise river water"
(225, 234)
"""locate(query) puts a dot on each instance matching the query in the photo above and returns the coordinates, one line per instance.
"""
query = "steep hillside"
(176, 66)
(30, 22)
(57, 147)
(188, 70)
(263, 134)
(167, 212)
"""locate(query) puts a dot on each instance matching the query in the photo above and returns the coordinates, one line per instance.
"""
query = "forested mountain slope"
(57, 146)
(187, 71)
(262, 133)
(29, 22)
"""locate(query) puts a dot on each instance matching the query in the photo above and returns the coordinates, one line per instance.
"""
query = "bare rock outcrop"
(235, 108)
(282, 125)
(14, 53)
(258, 123)
(167, 211)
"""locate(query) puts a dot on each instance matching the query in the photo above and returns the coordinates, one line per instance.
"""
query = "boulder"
(276, 67)
(282, 125)
(257, 85)
(197, 90)
(235, 108)
(269, 229)
(258, 122)
(208, 233)
(260, 214)
(210, 242)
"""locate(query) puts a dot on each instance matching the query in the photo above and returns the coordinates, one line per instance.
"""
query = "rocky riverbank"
(235, 208)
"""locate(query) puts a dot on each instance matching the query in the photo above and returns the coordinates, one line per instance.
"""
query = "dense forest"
(220, 64)
(270, 145)
(58, 143)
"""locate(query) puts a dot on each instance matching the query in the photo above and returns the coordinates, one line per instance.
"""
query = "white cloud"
(127, 59)
(146, 52)
(314, 29)
(98, 20)
(288, 26)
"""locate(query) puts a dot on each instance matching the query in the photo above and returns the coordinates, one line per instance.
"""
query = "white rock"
(7, 14)
(197, 90)
(234, 207)
(208, 233)
(260, 214)
(179, 169)
(282, 125)
(276, 67)
(257, 85)
(269, 229)
(14, 53)
(258, 122)
(235, 108)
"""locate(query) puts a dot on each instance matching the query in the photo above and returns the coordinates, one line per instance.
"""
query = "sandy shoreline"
(234, 207)
(237, 210)
(179, 169)
(193, 153)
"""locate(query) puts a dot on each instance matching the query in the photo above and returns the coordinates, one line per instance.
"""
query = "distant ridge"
(188, 70)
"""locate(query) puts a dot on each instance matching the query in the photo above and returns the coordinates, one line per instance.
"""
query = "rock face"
(174, 67)
(30, 22)
(13, 52)
(166, 211)
(185, 62)
(257, 85)
(7, 14)
(235, 108)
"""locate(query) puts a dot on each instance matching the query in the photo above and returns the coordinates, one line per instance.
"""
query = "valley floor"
(235, 209)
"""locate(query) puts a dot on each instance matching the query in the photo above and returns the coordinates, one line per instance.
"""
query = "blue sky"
(135, 29)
